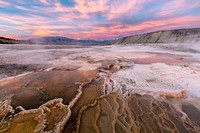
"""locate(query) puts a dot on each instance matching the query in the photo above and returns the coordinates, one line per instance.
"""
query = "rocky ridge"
(168, 36)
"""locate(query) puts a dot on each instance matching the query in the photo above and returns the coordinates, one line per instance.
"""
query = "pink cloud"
(117, 29)
(175, 5)
(148, 26)
(118, 8)
(4, 3)
(109, 8)
(91, 6)
(23, 20)
(46, 2)
(112, 31)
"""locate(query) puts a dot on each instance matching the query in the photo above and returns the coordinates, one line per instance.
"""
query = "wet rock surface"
(8, 70)
(192, 112)
(32, 90)
(102, 93)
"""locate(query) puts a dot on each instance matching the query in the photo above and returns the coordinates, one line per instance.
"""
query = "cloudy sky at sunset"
(95, 19)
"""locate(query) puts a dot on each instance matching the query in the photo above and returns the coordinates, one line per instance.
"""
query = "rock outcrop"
(4, 40)
(168, 36)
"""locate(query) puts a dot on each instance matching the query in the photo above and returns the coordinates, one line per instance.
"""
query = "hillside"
(168, 36)
(59, 40)
(4, 40)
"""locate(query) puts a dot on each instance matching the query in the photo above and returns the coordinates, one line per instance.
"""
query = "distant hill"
(168, 36)
(4, 40)
(59, 40)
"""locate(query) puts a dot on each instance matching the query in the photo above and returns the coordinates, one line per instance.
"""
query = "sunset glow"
(95, 19)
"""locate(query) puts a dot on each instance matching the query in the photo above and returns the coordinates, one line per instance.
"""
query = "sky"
(95, 19)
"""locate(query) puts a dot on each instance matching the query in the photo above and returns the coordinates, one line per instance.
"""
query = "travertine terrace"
(99, 89)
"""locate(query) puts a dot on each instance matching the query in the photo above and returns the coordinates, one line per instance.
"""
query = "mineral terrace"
(99, 89)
